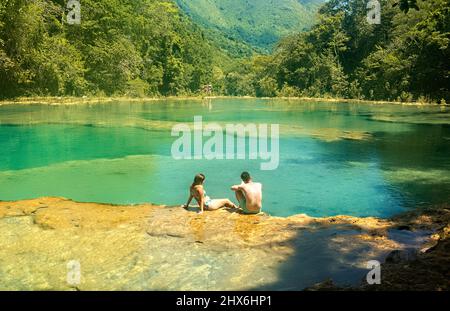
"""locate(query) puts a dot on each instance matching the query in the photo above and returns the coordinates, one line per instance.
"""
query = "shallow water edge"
(93, 100)
(149, 247)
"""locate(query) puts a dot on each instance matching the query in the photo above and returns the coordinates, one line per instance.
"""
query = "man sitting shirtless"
(249, 195)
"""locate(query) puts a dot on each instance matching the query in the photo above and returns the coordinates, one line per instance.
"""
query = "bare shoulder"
(253, 187)
(257, 185)
(196, 189)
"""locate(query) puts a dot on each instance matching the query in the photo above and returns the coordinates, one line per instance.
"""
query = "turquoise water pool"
(335, 158)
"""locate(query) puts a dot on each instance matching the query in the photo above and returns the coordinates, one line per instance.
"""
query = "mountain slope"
(258, 23)
(121, 47)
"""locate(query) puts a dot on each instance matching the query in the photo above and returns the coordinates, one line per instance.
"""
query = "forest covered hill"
(258, 23)
(127, 47)
(153, 48)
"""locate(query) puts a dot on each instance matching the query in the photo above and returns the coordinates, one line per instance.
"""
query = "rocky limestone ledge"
(148, 247)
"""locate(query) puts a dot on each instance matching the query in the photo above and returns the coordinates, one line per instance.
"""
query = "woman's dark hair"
(198, 179)
(245, 176)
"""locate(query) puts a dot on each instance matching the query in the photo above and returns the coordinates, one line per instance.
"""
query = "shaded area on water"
(325, 254)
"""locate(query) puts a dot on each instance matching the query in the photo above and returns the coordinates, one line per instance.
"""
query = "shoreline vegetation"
(124, 237)
(150, 50)
(147, 48)
(92, 100)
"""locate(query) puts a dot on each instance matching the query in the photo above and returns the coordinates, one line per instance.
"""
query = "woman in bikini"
(197, 192)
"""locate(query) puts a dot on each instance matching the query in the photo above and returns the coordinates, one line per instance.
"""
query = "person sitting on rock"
(249, 195)
(197, 192)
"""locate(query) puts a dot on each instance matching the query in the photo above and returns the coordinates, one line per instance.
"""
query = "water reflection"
(336, 158)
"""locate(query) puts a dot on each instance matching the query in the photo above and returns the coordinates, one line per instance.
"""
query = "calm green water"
(335, 158)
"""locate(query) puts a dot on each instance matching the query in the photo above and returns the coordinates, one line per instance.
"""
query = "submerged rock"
(148, 247)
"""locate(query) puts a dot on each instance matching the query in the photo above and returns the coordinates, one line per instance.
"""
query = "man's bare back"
(249, 195)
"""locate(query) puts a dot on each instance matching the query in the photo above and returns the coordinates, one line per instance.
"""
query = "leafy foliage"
(258, 23)
(403, 58)
(135, 47)
(150, 47)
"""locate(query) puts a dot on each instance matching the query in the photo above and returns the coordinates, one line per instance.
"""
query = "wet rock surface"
(148, 247)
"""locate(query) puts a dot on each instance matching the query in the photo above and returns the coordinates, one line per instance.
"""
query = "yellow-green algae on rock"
(148, 247)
